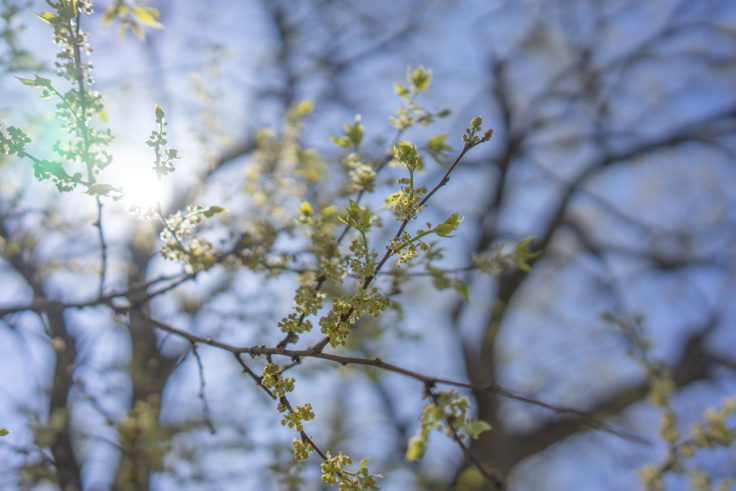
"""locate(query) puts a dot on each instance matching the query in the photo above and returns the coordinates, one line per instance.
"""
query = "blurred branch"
(694, 364)
(68, 470)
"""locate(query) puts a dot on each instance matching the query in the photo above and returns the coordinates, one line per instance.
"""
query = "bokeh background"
(614, 147)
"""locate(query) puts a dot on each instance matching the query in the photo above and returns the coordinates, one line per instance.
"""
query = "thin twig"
(202, 397)
(103, 247)
(256, 378)
(496, 482)
(378, 363)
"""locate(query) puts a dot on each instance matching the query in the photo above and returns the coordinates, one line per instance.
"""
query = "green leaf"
(102, 114)
(401, 91)
(306, 209)
(448, 226)
(300, 110)
(36, 82)
(352, 134)
(305, 107)
(476, 427)
(213, 210)
(355, 132)
(416, 448)
(42, 82)
(406, 153)
(522, 265)
(420, 78)
(148, 16)
(437, 143)
(521, 254)
(463, 290)
(340, 142)
(46, 16)
(46, 168)
(524, 243)
(438, 148)
(109, 15)
(4, 432)
(100, 189)
(159, 112)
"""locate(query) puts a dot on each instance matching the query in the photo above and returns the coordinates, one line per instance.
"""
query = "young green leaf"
(420, 78)
(47, 17)
(36, 82)
(306, 209)
(401, 91)
(352, 134)
(148, 16)
(213, 210)
(463, 289)
(100, 189)
(449, 225)
(355, 132)
(475, 427)
(158, 112)
(416, 447)
(438, 148)
(109, 15)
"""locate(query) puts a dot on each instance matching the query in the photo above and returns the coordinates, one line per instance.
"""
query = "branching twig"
(495, 481)
(378, 363)
(290, 337)
(390, 250)
(256, 378)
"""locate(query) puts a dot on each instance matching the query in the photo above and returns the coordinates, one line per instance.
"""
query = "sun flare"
(134, 176)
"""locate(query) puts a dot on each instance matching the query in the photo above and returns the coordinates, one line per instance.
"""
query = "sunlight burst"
(135, 177)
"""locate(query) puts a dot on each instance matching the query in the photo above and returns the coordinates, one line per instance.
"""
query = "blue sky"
(671, 203)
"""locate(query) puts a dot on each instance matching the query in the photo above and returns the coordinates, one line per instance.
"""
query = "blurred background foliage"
(614, 147)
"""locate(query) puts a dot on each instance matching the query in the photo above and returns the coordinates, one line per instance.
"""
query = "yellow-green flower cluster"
(334, 471)
(332, 467)
(347, 309)
(301, 449)
(362, 260)
(294, 419)
(271, 378)
(361, 175)
(404, 202)
(307, 301)
(195, 251)
(407, 248)
(715, 431)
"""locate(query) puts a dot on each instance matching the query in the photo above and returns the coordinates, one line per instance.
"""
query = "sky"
(553, 344)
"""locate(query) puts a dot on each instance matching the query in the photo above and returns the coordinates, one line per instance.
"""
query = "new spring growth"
(472, 137)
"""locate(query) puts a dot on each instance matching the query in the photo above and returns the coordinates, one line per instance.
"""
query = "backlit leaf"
(148, 16)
